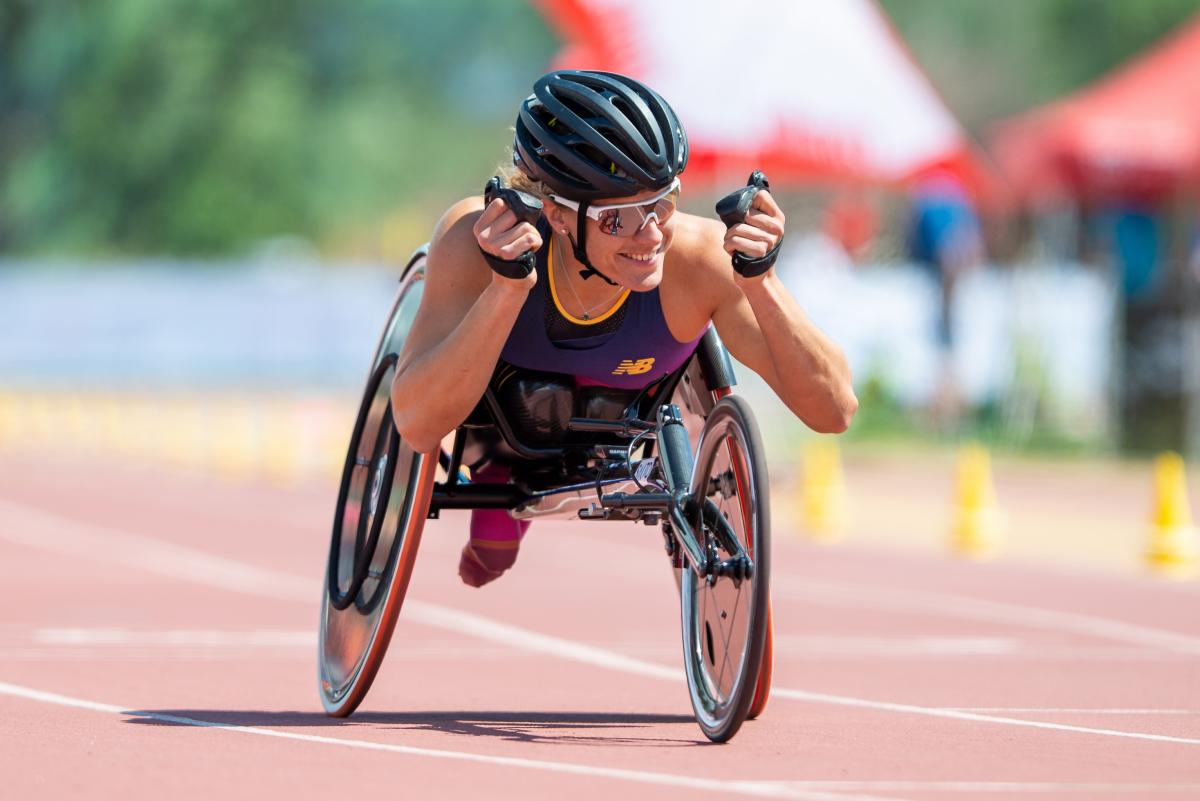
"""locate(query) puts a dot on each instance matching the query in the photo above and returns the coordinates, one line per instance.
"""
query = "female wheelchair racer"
(551, 381)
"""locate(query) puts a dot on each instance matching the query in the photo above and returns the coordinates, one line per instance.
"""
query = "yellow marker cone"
(1174, 548)
(74, 413)
(40, 420)
(235, 441)
(823, 490)
(183, 437)
(9, 425)
(281, 444)
(977, 529)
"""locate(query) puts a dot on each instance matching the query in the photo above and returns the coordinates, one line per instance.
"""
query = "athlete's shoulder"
(454, 229)
(698, 241)
(454, 260)
(697, 265)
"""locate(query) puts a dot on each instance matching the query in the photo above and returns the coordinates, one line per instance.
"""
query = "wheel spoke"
(724, 633)
(713, 620)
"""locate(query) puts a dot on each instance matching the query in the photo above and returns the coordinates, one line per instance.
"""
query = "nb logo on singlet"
(631, 367)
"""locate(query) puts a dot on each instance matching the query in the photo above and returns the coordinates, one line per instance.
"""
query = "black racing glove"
(732, 209)
(527, 208)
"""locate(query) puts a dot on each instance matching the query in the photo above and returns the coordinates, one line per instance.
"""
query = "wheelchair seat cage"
(684, 454)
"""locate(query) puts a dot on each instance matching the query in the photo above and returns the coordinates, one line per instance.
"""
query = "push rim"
(356, 562)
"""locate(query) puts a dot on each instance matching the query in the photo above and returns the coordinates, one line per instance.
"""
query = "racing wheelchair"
(682, 455)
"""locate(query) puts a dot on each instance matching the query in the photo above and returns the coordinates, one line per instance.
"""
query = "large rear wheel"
(382, 503)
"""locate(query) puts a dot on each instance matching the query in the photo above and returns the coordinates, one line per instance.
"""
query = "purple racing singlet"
(639, 350)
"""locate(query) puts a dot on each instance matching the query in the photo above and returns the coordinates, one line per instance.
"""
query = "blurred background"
(992, 207)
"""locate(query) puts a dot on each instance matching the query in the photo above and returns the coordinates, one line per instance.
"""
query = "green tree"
(201, 126)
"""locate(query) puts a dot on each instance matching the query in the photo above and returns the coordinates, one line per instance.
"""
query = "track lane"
(799, 740)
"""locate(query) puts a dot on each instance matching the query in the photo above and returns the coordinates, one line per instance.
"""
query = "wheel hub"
(377, 484)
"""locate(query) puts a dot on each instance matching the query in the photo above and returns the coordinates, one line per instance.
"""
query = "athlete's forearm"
(436, 391)
(812, 373)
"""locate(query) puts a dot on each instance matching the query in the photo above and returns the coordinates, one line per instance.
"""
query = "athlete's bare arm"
(765, 329)
(466, 313)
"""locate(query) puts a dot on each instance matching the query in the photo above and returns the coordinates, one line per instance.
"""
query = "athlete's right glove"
(527, 208)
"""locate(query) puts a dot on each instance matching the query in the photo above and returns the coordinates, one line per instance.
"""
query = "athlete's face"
(634, 261)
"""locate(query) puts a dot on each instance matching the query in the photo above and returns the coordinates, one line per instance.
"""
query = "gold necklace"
(586, 311)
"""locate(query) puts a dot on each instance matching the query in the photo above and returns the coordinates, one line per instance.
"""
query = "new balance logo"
(631, 367)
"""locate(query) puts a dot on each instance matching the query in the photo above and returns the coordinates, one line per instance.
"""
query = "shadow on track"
(567, 728)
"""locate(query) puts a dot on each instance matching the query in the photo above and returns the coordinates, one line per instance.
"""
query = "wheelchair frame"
(600, 480)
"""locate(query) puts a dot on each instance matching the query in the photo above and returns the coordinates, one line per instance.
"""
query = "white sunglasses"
(626, 219)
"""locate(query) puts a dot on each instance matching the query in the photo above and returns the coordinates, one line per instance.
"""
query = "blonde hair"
(514, 177)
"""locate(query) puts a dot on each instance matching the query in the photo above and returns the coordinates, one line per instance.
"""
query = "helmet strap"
(580, 248)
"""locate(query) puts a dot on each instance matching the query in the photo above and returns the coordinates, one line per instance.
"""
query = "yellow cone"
(823, 490)
(183, 437)
(236, 440)
(40, 419)
(9, 420)
(978, 526)
(281, 444)
(1174, 547)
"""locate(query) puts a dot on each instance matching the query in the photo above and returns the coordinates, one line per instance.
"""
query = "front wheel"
(725, 619)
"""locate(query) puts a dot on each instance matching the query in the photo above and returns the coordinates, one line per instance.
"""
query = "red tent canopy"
(826, 92)
(1135, 132)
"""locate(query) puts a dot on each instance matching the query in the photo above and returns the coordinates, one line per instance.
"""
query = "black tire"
(725, 621)
(382, 503)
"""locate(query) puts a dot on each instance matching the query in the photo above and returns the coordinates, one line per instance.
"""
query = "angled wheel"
(382, 503)
(725, 619)
(767, 667)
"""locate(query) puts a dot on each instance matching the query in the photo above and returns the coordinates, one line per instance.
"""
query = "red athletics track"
(159, 639)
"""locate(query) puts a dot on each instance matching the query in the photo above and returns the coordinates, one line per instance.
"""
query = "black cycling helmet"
(593, 135)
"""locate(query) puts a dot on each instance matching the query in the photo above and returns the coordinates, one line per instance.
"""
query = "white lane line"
(958, 606)
(35, 528)
(487, 629)
(994, 787)
(1071, 711)
(858, 646)
(916, 645)
(808, 647)
(751, 788)
(77, 539)
(172, 638)
(495, 631)
(214, 644)
(465, 649)
(834, 593)
(843, 700)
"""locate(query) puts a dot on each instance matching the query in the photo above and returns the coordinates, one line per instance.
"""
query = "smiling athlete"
(621, 288)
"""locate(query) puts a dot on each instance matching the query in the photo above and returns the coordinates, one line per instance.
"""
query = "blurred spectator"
(1194, 261)
(1137, 244)
(944, 236)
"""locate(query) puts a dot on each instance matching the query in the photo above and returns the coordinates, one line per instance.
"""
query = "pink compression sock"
(495, 537)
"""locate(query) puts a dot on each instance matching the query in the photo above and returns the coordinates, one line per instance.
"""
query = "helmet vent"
(631, 114)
